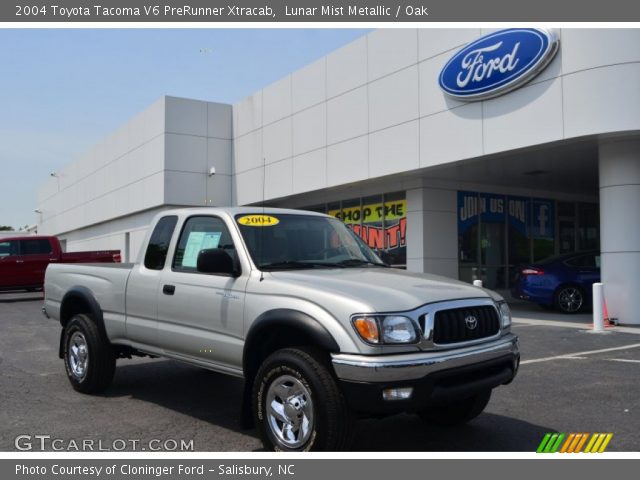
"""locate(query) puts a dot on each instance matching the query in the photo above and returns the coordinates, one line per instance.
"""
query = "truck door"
(200, 316)
(142, 287)
(36, 254)
(10, 263)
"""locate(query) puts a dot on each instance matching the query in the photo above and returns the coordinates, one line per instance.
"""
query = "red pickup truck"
(23, 260)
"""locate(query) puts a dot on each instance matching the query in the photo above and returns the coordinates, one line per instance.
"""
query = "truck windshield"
(289, 241)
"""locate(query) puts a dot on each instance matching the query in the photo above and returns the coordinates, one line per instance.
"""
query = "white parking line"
(521, 321)
(578, 354)
(625, 360)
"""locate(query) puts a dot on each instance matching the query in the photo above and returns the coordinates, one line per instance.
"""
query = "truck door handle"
(169, 289)
(19, 261)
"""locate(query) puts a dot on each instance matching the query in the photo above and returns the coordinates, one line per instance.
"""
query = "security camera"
(212, 171)
(53, 174)
(37, 210)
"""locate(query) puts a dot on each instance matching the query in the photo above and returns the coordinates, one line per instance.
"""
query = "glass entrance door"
(567, 235)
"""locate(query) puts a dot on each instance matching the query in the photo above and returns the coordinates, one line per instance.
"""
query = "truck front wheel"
(297, 403)
(89, 359)
(457, 413)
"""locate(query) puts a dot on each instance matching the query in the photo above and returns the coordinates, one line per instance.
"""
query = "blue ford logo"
(498, 63)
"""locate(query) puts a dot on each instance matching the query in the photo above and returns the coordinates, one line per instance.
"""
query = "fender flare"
(294, 319)
(85, 295)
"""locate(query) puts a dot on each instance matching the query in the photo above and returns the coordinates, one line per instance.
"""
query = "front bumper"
(436, 377)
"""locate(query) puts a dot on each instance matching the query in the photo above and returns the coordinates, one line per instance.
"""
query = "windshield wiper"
(356, 262)
(290, 264)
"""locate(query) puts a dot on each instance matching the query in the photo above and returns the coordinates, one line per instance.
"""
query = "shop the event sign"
(498, 63)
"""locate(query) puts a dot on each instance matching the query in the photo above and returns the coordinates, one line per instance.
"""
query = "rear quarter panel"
(106, 282)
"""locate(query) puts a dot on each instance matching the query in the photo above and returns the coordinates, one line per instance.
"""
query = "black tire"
(100, 363)
(569, 299)
(457, 413)
(330, 422)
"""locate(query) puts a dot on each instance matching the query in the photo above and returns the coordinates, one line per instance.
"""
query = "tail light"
(532, 271)
(117, 258)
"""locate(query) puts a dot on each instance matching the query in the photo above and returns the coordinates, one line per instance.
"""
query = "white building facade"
(465, 189)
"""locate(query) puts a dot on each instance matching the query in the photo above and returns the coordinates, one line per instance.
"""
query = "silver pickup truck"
(321, 330)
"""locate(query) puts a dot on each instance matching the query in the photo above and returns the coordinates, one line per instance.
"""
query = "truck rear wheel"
(297, 403)
(89, 359)
(457, 413)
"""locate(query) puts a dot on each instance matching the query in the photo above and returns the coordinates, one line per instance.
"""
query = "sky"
(63, 90)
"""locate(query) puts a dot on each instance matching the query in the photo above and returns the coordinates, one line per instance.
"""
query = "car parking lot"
(570, 380)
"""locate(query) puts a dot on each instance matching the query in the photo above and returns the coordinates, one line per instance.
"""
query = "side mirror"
(217, 260)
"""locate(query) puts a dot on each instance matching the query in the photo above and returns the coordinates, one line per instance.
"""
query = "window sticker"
(258, 220)
(196, 242)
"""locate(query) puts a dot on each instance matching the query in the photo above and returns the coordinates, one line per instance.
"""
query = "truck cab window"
(38, 246)
(158, 247)
(201, 233)
(9, 248)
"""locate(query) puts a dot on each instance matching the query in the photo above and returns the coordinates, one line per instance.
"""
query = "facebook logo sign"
(543, 221)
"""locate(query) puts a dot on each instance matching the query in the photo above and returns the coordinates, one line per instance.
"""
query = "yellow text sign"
(258, 220)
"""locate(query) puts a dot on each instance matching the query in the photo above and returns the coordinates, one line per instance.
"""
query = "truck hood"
(382, 289)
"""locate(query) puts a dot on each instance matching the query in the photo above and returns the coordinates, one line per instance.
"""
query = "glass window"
(395, 227)
(492, 231)
(37, 246)
(543, 228)
(201, 233)
(305, 241)
(316, 208)
(518, 231)
(372, 229)
(8, 248)
(468, 225)
(588, 226)
(566, 209)
(586, 261)
(333, 209)
(351, 214)
(159, 243)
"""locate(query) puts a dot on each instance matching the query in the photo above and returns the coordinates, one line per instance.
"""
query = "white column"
(619, 163)
(432, 231)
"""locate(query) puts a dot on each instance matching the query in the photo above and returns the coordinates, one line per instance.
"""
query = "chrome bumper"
(413, 366)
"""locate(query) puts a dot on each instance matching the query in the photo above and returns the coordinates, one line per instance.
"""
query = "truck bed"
(106, 282)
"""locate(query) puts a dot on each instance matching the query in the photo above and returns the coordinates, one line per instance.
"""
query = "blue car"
(563, 282)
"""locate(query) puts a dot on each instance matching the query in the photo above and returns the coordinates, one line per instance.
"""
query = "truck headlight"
(505, 314)
(386, 329)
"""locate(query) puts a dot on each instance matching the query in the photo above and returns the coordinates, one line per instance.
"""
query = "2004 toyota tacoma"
(319, 327)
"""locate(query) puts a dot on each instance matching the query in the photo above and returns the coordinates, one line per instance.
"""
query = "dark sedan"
(563, 282)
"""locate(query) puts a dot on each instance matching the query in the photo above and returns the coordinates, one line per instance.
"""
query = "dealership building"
(542, 158)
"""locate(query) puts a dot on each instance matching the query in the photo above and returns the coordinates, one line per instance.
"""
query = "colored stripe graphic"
(590, 444)
(567, 443)
(543, 443)
(606, 442)
(581, 443)
(555, 442)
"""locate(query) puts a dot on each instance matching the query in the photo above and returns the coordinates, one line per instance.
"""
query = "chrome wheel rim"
(78, 355)
(570, 299)
(289, 411)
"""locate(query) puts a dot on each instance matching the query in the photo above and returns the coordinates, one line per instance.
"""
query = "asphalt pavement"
(570, 380)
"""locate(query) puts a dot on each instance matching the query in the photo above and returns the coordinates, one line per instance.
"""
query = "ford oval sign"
(498, 63)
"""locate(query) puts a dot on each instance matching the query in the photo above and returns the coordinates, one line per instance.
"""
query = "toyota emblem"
(471, 322)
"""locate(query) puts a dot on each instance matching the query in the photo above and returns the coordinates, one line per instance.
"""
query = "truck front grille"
(465, 324)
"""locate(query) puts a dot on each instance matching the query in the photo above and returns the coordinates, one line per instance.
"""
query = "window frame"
(173, 231)
(195, 270)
